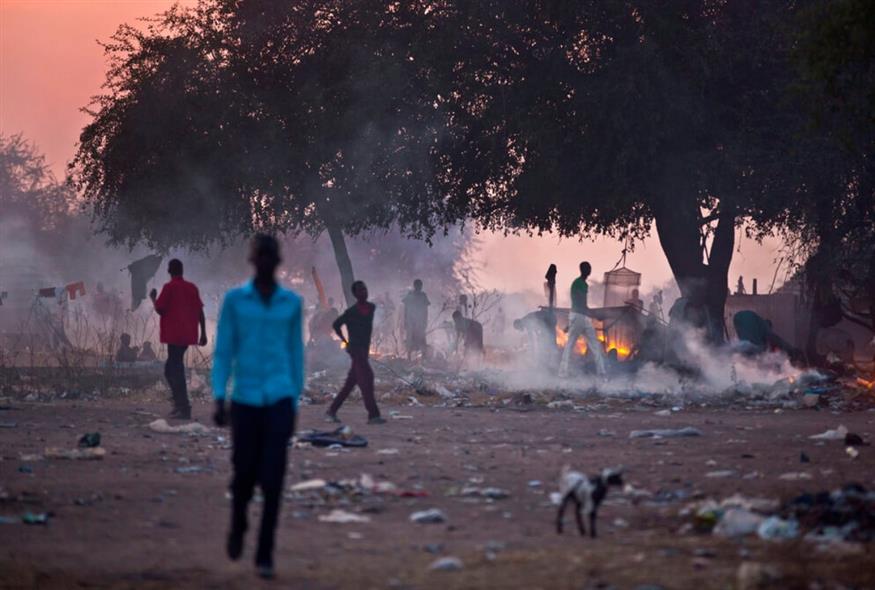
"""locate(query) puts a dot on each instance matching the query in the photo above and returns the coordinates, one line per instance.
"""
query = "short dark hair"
(356, 285)
(266, 244)
(585, 268)
(417, 283)
(174, 267)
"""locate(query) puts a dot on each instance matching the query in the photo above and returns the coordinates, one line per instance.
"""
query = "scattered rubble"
(86, 454)
(430, 516)
(687, 431)
(192, 428)
(338, 516)
(447, 564)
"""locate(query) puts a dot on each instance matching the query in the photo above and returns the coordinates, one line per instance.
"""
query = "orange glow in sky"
(51, 65)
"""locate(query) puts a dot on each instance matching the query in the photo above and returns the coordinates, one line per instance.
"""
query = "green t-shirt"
(579, 290)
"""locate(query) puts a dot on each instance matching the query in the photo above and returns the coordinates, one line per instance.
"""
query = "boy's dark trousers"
(174, 372)
(260, 436)
(361, 374)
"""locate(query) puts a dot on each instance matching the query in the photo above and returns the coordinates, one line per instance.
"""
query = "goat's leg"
(561, 513)
(579, 515)
(592, 532)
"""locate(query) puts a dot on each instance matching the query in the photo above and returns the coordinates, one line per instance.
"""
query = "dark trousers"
(174, 372)
(361, 374)
(260, 436)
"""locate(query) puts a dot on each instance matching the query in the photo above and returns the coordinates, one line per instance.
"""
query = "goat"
(587, 494)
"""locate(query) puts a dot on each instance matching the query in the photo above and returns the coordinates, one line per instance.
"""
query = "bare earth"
(132, 521)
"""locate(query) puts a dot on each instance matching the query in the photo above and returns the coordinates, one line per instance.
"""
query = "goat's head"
(613, 476)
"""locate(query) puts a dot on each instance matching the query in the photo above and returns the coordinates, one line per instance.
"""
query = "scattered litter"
(342, 437)
(803, 458)
(666, 433)
(343, 517)
(447, 564)
(308, 485)
(605, 432)
(9, 520)
(535, 483)
(662, 413)
(795, 476)
(722, 473)
(161, 426)
(854, 440)
(25, 469)
(852, 452)
(89, 440)
(491, 493)
(191, 469)
(443, 391)
(8, 424)
(35, 518)
(837, 434)
(738, 522)
(778, 529)
(75, 454)
(430, 516)
(401, 417)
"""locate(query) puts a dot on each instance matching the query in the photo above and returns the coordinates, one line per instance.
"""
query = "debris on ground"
(430, 516)
(35, 518)
(75, 454)
(338, 516)
(343, 437)
(8, 424)
(844, 515)
(163, 427)
(687, 431)
(836, 434)
(191, 469)
(89, 440)
(447, 564)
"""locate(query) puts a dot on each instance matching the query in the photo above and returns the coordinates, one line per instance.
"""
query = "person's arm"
(296, 348)
(202, 320)
(337, 324)
(223, 357)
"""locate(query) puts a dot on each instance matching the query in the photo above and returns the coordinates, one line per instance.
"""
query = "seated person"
(147, 353)
(756, 331)
(126, 353)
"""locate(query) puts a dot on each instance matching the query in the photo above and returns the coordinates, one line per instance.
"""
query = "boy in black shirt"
(359, 322)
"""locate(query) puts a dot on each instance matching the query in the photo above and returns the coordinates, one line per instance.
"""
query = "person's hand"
(153, 295)
(203, 340)
(220, 416)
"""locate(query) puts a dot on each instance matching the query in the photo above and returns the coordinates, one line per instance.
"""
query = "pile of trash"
(323, 491)
(843, 515)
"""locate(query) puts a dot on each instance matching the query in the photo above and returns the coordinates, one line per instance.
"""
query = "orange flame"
(623, 349)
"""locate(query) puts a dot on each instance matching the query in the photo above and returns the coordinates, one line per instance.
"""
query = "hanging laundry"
(75, 289)
(142, 271)
(48, 292)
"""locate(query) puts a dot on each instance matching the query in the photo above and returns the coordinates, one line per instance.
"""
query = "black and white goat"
(586, 493)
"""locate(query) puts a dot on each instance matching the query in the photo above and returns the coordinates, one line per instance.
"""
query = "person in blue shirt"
(260, 342)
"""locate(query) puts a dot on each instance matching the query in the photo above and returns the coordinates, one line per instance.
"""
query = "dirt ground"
(132, 521)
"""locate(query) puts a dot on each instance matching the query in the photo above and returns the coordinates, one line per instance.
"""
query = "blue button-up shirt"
(261, 345)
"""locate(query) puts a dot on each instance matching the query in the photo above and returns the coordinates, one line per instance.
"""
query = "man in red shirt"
(181, 310)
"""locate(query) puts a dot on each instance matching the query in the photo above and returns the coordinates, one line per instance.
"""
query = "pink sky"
(51, 64)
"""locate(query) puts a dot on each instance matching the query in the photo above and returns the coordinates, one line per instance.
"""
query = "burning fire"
(623, 350)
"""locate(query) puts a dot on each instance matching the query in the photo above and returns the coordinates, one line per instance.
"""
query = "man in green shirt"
(579, 324)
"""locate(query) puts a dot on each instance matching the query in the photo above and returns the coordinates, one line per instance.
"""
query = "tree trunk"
(704, 285)
(344, 264)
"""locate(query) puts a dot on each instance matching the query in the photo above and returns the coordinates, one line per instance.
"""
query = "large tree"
(615, 117)
(239, 116)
